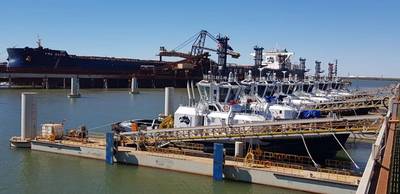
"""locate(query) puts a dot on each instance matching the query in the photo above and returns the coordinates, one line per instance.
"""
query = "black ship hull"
(321, 147)
(47, 60)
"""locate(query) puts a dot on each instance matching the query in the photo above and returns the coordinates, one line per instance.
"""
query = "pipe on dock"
(28, 115)
(74, 88)
(134, 86)
(168, 103)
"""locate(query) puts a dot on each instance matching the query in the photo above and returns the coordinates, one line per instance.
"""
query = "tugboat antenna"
(39, 42)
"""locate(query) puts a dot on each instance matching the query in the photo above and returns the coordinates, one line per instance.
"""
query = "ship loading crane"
(199, 53)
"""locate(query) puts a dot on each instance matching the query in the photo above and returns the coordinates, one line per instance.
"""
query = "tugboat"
(225, 103)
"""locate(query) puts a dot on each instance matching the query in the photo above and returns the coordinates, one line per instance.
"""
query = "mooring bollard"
(109, 147)
(218, 162)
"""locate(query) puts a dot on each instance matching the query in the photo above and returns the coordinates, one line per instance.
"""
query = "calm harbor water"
(24, 171)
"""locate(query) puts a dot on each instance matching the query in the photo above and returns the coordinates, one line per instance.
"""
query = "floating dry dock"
(280, 170)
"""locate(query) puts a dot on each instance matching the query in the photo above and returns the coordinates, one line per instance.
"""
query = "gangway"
(359, 124)
(350, 105)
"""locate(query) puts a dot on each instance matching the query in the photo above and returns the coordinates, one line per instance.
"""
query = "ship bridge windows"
(232, 94)
(336, 85)
(323, 86)
(340, 86)
(212, 107)
(223, 93)
(307, 88)
(247, 89)
(266, 90)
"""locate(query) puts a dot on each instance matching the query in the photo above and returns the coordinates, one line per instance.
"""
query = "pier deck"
(383, 168)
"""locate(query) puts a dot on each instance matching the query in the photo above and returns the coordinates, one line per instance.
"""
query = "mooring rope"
(107, 124)
(101, 126)
(308, 152)
(348, 155)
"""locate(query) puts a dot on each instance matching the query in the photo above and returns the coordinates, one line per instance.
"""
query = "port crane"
(200, 51)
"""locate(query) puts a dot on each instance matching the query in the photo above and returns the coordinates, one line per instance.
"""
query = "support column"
(218, 162)
(110, 148)
(168, 101)
(105, 83)
(239, 148)
(134, 86)
(64, 83)
(28, 115)
(74, 88)
(45, 83)
(9, 81)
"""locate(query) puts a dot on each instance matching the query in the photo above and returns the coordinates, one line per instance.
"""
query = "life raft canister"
(134, 126)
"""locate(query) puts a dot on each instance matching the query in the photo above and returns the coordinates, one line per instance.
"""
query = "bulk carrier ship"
(154, 73)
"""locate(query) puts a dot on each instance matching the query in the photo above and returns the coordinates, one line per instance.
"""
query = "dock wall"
(200, 166)
(204, 166)
(81, 151)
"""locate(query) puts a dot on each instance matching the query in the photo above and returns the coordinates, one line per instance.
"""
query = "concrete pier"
(28, 116)
(28, 121)
(168, 101)
(74, 88)
(134, 86)
(105, 82)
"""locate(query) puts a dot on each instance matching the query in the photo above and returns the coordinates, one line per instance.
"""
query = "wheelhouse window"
(261, 90)
(223, 93)
(232, 94)
(270, 90)
(204, 92)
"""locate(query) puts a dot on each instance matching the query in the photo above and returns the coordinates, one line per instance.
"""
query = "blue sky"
(362, 35)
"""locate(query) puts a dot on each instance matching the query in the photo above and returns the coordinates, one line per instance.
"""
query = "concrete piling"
(74, 88)
(105, 83)
(46, 83)
(28, 115)
(134, 86)
(64, 83)
(168, 100)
